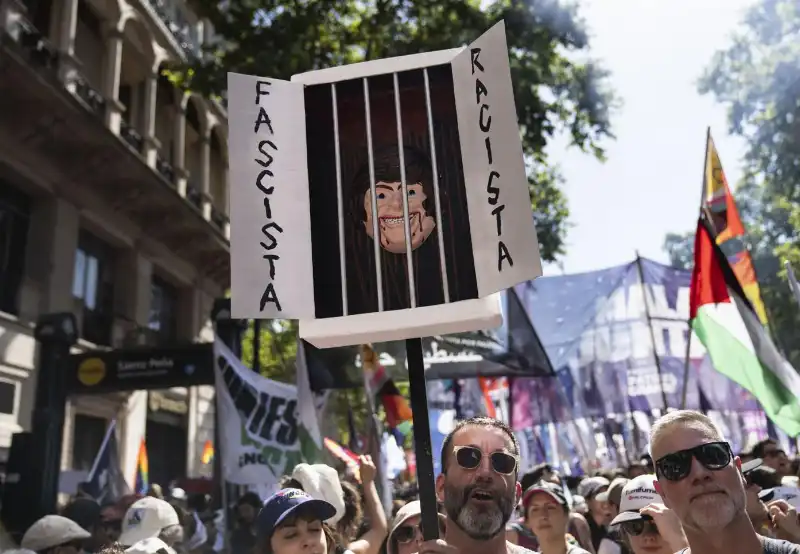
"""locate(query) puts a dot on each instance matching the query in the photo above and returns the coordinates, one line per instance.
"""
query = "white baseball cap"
(638, 493)
(789, 494)
(145, 519)
(150, 546)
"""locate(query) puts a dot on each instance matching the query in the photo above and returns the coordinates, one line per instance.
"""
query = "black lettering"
(261, 410)
(246, 401)
(267, 205)
(480, 90)
(497, 214)
(262, 188)
(273, 416)
(263, 118)
(287, 432)
(271, 258)
(484, 125)
(494, 192)
(263, 152)
(488, 143)
(503, 254)
(269, 296)
(261, 92)
(265, 230)
(474, 53)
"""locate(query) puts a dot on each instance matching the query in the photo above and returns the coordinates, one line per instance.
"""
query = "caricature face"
(391, 228)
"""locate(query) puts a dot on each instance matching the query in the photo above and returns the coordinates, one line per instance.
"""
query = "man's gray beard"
(478, 524)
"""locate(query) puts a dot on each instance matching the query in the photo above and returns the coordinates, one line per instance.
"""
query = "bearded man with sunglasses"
(479, 489)
(701, 481)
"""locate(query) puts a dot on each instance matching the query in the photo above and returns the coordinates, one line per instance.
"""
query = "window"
(164, 310)
(15, 214)
(8, 397)
(92, 284)
(87, 438)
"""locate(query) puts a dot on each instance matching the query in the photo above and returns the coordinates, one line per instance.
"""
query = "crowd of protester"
(690, 495)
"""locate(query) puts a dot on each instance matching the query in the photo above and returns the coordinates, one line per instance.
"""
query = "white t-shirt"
(607, 546)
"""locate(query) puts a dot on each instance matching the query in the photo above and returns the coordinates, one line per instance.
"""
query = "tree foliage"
(758, 78)
(553, 90)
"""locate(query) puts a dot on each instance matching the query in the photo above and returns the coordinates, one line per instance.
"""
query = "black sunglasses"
(646, 525)
(713, 456)
(406, 533)
(469, 457)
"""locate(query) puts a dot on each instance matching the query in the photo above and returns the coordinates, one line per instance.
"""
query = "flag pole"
(685, 390)
(103, 446)
(652, 331)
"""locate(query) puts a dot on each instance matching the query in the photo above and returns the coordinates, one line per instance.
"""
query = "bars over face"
(385, 151)
(380, 186)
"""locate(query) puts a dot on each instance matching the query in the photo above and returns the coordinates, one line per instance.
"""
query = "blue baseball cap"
(283, 504)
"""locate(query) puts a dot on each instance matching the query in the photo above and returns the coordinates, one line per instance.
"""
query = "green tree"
(553, 90)
(758, 78)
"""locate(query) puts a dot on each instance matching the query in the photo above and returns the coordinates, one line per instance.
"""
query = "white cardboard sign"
(399, 189)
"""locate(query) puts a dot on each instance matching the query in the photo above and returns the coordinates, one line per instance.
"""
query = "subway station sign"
(99, 372)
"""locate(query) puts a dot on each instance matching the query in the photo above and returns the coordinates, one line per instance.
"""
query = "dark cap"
(283, 504)
(83, 511)
(553, 491)
(591, 486)
(613, 493)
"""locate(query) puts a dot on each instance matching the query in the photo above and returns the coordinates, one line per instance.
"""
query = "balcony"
(219, 219)
(194, 196)
(129, 135)
(63, 131)
(170, 17)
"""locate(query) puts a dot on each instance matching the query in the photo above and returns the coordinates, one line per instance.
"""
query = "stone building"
(113, 205)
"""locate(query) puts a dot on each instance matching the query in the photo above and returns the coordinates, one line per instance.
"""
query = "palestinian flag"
(739, 346)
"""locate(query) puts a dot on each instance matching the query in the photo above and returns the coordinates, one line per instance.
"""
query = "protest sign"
(381, 200)
(263, 430)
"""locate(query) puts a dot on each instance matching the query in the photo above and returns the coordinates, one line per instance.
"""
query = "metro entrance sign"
(149, 368)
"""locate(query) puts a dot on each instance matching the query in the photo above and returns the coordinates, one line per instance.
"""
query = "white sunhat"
(145, 519)
(638, 493)
(52, 531)
(789, 494)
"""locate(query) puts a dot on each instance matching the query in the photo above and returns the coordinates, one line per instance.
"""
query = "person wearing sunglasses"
(645, 524)
(773, 456)
(405, 536)
(478, 487)
(701, 481)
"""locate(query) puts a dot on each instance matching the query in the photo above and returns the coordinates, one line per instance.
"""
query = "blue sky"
(650, 184)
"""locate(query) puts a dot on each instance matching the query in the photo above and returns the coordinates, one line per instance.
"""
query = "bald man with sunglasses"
(701, 481)
(479, 489)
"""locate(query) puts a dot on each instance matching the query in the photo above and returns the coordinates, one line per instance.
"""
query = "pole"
(229, 331)
(257, 345)
(652, 331)
(685, 391)
(422, 439)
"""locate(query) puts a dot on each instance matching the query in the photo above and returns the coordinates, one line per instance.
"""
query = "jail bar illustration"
(385, 198)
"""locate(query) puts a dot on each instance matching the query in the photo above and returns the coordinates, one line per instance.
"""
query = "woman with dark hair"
(292, 522)
(388, 221)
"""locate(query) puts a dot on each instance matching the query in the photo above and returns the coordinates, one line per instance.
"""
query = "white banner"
(262, 432)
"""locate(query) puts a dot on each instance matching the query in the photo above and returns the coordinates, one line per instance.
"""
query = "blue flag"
(106, 482)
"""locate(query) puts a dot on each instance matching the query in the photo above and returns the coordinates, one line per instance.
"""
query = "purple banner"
(596, 329)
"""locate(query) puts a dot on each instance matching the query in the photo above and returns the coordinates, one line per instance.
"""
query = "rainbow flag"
(142, 479)
(208, 453)
(727, 227)
(343, 454)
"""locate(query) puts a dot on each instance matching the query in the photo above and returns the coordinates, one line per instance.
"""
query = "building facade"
(113, 206)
